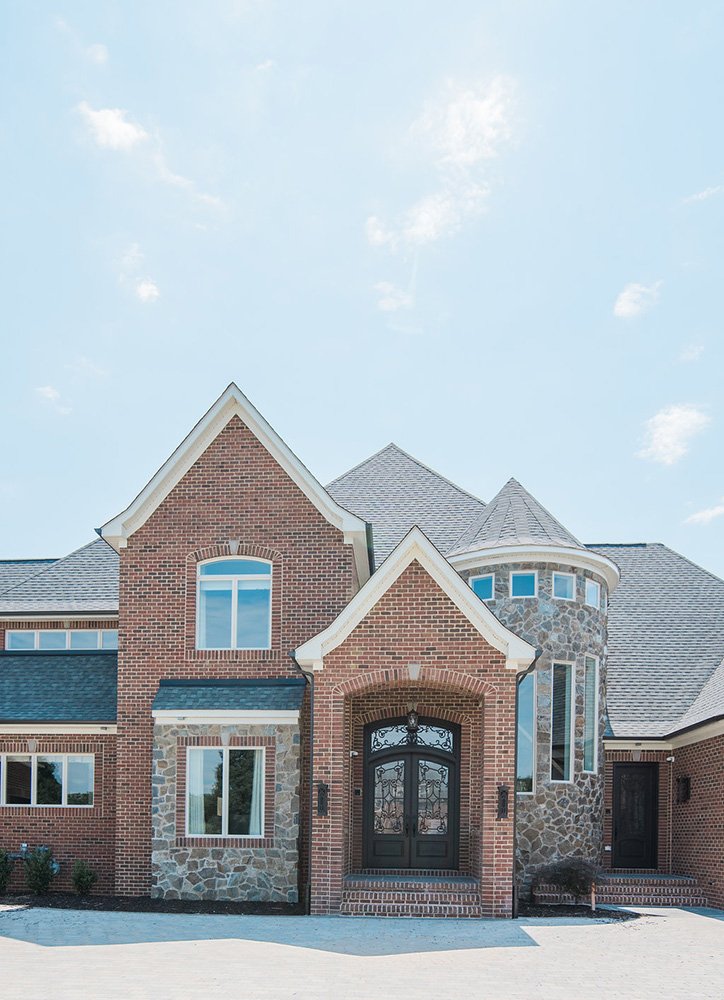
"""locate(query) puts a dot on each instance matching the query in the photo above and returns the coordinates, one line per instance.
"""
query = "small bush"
(84, 878)
(40, 869)
(572, 875)
(6, 866)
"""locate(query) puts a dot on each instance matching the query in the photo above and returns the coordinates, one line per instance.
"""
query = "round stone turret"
(546, 586)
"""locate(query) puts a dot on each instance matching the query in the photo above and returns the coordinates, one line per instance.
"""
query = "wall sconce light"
(683, 788)
(503, 801)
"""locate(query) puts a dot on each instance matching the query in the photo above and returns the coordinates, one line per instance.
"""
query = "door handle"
(414, 828)
(407, 826)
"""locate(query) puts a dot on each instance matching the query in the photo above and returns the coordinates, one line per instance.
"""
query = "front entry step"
(410, 895)
(630, 888)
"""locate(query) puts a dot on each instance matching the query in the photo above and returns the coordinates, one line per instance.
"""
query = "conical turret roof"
(514, 517)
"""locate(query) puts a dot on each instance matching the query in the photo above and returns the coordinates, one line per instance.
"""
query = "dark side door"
(635, 815)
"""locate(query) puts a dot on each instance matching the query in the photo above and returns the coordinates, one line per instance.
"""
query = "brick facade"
(458, 675)
(236, 492)
(73, 833)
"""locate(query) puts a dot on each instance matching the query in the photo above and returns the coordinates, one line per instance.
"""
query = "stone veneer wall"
(557, 820)
(255, 868)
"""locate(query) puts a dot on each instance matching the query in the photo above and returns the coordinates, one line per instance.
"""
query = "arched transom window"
(234, 604)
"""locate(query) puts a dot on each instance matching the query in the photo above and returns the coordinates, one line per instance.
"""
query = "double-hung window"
(225, 792)
(525, 774)
(234, 604)
(562, 718)
(484, 586)
(46, 780)
(590, 715)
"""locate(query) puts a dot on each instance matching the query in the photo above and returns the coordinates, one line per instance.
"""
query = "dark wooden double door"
(635, 815)
(411, 808)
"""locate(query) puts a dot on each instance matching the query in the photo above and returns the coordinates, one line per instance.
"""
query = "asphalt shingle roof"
(393, 491)
(265, 694)
(15, 571)
(514, 517)
(84, 581)
(665, 641)
(58, 687)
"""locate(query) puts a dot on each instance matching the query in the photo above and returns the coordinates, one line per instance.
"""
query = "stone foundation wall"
(253, 868)
(557, 820)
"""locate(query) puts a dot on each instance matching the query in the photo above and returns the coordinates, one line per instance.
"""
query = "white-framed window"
(593, 593)
(526, 736)
(49, 639)
(562, 721)
(590, 715)
(47, 779)
(484, 586)
(564, 586)
(225, 791)
(524, 583)
(233, 605)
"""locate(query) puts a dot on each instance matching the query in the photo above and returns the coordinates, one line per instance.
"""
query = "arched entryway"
(411, 798)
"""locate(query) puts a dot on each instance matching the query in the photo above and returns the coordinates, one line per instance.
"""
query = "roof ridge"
(663, 545)
(422, 465)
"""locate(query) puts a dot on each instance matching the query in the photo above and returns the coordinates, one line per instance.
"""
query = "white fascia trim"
(233, 402)
(496, 556)
(704, 731)
(225, 716)
(636, 745)
(57, 729)
(60, 616)
(415, 546)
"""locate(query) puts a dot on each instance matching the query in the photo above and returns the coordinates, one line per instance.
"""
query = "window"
(225, 792)
(590, 715)
(484, 586)
(523, 584)
(561, 722)
(564, 586)
(62, 638)
(593, 593)
(525, 774)
(234, 604)
(46, 779)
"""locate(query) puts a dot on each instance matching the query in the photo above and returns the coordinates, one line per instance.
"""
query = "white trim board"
(225, 716)
(232, 402)
(704, 731)
(557, 554)
(32, 729)
(416, 547)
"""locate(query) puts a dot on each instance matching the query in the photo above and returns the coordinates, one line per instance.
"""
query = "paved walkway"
(63, 954)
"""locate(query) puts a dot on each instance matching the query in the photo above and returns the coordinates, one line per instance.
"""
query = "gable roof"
(232, 402)
(416, 547)
(514, 517)
(394, 491)
(58, 687)
(665, 641)
(82, 582)
(15, 571)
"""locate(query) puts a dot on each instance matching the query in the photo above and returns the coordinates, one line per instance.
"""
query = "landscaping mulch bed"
(144, 904)
(551, 910)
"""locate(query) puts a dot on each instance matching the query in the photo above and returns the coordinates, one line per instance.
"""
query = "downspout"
(518, 682)
(310, 681)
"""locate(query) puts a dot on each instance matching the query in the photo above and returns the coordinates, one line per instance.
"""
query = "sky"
(489, 232)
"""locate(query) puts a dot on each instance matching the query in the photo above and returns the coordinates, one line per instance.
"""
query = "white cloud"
(392, 298)
(669, 432)
(147, 290)
(266, 66)
(87, 368)
(692, 352)
(110, 129)
(707, 515)
(168, 176)
(97, 53)
(636, 299)
(708, 192)
(53, 397)
(456, 136)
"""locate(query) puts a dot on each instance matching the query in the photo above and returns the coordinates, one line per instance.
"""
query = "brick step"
(403, 885)
(648, 890)
(619, 879)
(632, 892)
(423, 908)
(632, 899)
(415, 896)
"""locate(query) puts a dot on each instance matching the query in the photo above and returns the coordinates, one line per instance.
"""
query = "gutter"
(309, 676)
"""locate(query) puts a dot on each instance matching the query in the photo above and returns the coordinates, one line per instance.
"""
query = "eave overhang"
(497, 555)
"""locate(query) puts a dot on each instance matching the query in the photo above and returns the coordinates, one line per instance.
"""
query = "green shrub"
(84, 878)
(6, 866)
(572, 875)
(40, 869)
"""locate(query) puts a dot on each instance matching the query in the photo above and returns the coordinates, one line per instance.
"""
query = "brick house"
(382, 696)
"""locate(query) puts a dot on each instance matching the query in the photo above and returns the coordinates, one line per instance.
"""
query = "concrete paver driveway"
(59, 954)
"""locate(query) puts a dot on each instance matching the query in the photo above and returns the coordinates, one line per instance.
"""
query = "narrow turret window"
(593, 593)
(525, 773)
(590, 717)
(562, 722)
